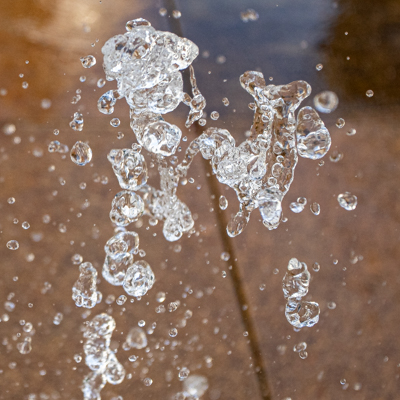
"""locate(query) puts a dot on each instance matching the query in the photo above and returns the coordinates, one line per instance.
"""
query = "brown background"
(357, 341)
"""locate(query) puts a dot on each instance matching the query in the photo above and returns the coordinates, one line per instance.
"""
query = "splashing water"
(84, 291)
(296, 281)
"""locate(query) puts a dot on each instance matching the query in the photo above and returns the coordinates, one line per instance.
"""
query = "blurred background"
(354, 350)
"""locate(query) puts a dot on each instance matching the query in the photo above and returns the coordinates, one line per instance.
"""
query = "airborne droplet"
(81, 153)
(88, 61)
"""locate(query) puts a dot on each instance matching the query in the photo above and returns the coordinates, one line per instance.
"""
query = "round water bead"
(115, 122)
(173, 332)
(11, 200)
(340, 122)
(160, 297)
(316, 267)
(88, 61)
(106, 103)
(319, 67)
(214, 115)
(26, 225)
(225, 101)
(351, 132)
(347, 201)
(81, 153)
(77, 122)
(223, 202)
(13, 245)
(139, 279)
(183, 374)
(176, 14)
(25, 347)
(326, 101)
(136, 338)
(315, 208)
(369, 93)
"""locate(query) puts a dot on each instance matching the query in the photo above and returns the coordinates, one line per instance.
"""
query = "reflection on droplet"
(81, 153)
(13, 245)
(326, 101)
(88, 61)
(347, 201)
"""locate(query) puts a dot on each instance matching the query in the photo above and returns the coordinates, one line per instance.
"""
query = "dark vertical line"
(258, 364)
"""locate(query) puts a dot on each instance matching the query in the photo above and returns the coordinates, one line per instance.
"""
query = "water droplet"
(12, 245)
(316, 267)
(77, 122)
(101, 82)
(25, 85)
(326, 101)
(296, 207)
(106, 103)
(84, 290)
(214, 115)
(331, 305)
(319, 67)
(148, 381)
(369, 93)
(11, 200)
(81, 153)
(115, 122)
(121, 300)
(299, 347)
(77, 259)
(249, 15)
(88, 61)
(162, 11)
(351, 132)
(223, 202)
(136, 338)
(139, 279)
(183, 374)
(315, 208)
(335, 156)
(58, 319)
(160, 297)
(313, 139)
(225, 101)
(176, 14)
(303, 355)
(347, 201)
(340, 122)
(25, 347)
(77, 358)
(173, 332)
(225, 256)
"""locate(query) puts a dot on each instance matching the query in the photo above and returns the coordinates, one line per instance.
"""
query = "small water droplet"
(223, 202)
(369, 93)
(26, 225)
(315, 208)
(347, 201)
(225, 101)
(340, 122)
(13, 245)
(173, 332)
(319, 67)
(115, 122)
(214, 115)
(81, 153)
(88, 61)
(326, 101)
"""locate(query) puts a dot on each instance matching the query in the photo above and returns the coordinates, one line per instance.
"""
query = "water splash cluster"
(295, 284)
(84, 290)
(261, 168)
(99, 358)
